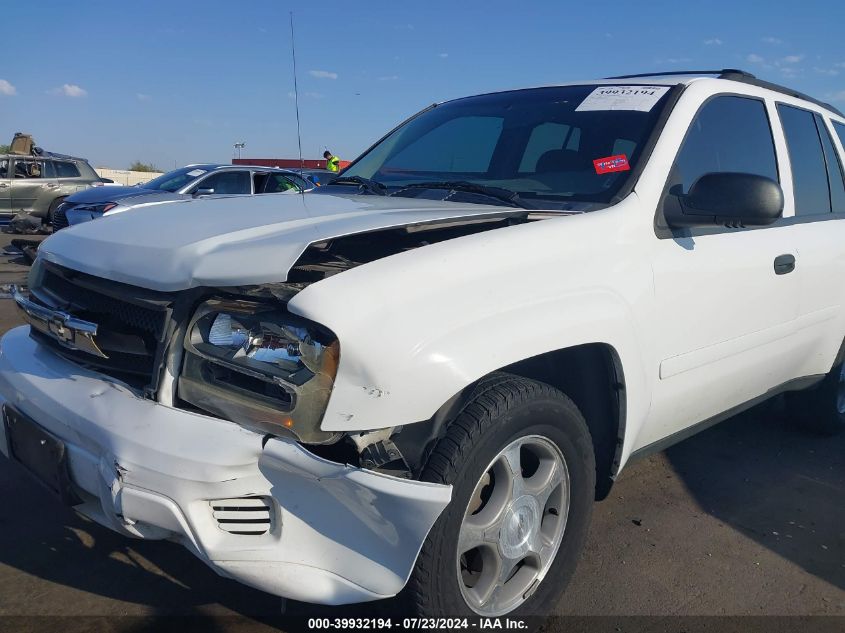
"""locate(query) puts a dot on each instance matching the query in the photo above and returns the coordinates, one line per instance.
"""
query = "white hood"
(231, 241)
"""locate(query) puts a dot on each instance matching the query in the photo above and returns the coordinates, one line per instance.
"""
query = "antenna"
(296, 95)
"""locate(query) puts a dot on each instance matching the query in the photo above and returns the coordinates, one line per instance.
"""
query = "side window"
(65, 169)
(260, 182)
(29, 168)
(809, 172)
(461, 145)
(4, 167)
(276, 183)
(227, 182)
(302, 183)
(729, 134)
(87, 171)
(840, 132)
(835, 177)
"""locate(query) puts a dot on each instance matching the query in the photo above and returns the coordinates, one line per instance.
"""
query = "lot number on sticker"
(639, 98)
(611, 164)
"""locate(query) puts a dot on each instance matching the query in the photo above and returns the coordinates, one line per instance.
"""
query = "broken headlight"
(260, 366)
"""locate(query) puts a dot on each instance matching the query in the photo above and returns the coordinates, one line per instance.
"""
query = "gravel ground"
(745, 519)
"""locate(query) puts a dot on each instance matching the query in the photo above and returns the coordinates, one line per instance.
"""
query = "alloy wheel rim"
(513, 526)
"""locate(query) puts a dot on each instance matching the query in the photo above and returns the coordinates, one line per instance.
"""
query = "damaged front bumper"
(267, 513)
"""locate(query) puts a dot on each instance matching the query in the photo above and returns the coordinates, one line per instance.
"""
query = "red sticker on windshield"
(611, 164)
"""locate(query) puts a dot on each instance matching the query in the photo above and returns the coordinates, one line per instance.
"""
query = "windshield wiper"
(511, 198)
(373, 186)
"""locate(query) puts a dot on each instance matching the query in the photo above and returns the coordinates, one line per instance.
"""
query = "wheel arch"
(54, 204)
(590, 374)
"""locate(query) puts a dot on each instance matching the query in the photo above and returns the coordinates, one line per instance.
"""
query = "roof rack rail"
(46, 154)
(724, 73)
(741, 76)
(760, 83)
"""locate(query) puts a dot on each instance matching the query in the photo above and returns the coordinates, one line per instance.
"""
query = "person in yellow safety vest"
(332, 162)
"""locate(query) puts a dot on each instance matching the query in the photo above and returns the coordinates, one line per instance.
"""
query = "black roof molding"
(721, 74)
(734, 74)
(789, 91)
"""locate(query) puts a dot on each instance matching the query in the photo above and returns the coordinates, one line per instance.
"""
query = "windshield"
(174, 180)
(552, 145)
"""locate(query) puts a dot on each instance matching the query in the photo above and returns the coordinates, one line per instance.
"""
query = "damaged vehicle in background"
(186, 183)
(416, 380)
(35, 182)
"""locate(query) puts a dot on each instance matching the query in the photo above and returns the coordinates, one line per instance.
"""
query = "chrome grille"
(60, 220)
(131, 322)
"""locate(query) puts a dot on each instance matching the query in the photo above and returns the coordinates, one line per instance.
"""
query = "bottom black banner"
(297, 624)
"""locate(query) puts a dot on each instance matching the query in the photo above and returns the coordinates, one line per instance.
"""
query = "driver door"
(725, 313)
(32, 178)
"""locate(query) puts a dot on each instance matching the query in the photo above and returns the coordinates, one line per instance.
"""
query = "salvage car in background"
(193, 181)
(38, 184)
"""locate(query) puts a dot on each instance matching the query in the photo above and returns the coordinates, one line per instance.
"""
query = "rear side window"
(65, 169)
(87, 171)
(729, 134)
(840, 131)
(302, 183)
(834, 169)
(809, 170)
(273, 183)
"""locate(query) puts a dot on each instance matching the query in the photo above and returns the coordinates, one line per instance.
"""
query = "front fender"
(418, 327)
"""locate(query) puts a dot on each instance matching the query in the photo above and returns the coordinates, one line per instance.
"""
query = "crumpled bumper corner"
(338, 534)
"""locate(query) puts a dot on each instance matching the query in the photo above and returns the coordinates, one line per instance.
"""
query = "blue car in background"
(319, 177)
(192, 181)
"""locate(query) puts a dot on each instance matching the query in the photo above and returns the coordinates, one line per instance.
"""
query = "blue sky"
(181, 81)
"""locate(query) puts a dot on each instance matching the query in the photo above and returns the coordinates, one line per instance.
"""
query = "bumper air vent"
(251, 516)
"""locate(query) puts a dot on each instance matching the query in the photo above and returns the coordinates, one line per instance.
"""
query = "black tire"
(501, 410)
(53, 206)
(820, 409)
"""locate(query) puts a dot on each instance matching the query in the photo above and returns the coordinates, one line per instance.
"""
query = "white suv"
(422, 375)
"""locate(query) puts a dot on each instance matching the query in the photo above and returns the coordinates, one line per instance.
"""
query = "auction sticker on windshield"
(639, 98)
(611, 164)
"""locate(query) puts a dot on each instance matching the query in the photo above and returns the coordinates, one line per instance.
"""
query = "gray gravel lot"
(747, 518)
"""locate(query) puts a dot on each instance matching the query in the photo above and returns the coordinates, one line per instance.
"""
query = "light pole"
(238, 146)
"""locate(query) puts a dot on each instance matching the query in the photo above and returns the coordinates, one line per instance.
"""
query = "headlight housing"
(103, 207)
(260, 366)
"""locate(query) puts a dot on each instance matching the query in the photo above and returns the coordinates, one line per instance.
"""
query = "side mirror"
(726, 199)
(203, 191)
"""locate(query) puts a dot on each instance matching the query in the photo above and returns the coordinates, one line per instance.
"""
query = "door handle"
(784, 264)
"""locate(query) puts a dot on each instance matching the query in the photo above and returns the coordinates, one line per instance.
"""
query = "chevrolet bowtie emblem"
(66, 329)
(58, 329)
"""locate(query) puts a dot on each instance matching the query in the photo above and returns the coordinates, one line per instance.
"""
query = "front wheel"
(51, 212)
(520, 460)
